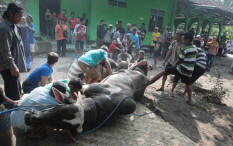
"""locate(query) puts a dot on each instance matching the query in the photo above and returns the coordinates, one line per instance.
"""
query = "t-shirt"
(120, 42)
(66, 81)
(111, 49)
(81, 32)
(40, 99)
(201, 58)
(59, 30)
(123, 57)
(35, 77)
(31, 34)
(75, 71)
(93, 57)
(116, 34)
(135, 39)
(108, 36)
(175, 47)
(188, 60)
(128, 31)
(154, 37)
(73, 22)
(157, 46)
(60, 16)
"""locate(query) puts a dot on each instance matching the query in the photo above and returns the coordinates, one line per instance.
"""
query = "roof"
(212, 3)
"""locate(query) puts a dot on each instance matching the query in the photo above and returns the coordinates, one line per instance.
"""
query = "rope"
(5, 123)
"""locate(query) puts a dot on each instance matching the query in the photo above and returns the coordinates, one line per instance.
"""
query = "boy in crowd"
(100, 34)
(80, 37)
(31, 34)
(41, 75)
(135, 41)
(108, 36)
(113, 48)
(62, 16)
(62, 36)
(157, 50)
(155, 35)
(187, 61)
(72, 22)
(167, 43)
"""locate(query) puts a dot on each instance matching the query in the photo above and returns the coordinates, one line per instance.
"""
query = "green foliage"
(218, 92)
(228, 32)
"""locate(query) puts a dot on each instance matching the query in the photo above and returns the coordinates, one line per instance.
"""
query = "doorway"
(53, 5)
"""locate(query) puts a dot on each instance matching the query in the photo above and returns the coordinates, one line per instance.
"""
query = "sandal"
(160, 89)
(171, 94)
(191, 104)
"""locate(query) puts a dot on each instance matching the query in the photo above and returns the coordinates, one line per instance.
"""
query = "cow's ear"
(58, 95)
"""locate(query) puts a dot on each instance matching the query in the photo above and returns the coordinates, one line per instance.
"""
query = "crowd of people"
(186, 57)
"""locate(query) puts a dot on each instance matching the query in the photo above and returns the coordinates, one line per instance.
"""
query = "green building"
(200, 14)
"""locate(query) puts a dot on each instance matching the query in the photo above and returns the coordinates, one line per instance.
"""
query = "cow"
(99, 102)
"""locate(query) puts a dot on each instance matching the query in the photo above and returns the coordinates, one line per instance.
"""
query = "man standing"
(62, 16)
(100, 34)
(108, 36)
(72, 23)
(155, 35)
(31, 34)
(172, 55)
(80, 37)
(61, 32)
(128, 29)
(11, 51)
(135, 40)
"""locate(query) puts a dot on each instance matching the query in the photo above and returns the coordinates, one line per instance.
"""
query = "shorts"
(168, 65)
(32, 48)
(156, 53)
(88, 70)
(152, 49)
(197, 73)
(178, 76)
(79, 45)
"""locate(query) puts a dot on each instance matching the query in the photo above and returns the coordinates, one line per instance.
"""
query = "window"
(116, 3)
(156, 19)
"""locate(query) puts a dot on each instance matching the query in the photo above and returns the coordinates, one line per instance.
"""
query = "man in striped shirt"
(201, 63)
(187, 61)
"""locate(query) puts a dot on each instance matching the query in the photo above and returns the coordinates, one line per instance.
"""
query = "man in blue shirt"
(89, 60)
(41, 75)
(31, 34)
(135, 41)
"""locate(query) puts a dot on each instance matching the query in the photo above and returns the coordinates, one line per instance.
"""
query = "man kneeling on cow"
(89, 60)
(141, 64)
(123, 60)
(48, 102)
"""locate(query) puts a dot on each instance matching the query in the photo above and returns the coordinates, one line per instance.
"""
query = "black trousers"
(11, 85)
(61, 44)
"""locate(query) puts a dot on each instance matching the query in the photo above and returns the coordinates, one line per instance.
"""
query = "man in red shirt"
(72, 22)
(62, 16)
(80, 32)
(112, 48)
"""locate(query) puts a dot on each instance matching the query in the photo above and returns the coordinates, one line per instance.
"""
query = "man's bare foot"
(171, 94)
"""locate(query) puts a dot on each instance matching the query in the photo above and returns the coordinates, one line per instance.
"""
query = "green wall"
(33, 9)
(136, 9)
(99, 9)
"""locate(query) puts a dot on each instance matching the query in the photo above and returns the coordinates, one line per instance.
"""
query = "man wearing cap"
(108, 36)
(155, 35)
(38, 100)
(100, 34)
(31, 33)
(12, 60)
(172, 55)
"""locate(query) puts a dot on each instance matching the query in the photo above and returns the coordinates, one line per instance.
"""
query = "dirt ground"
(174, 123)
